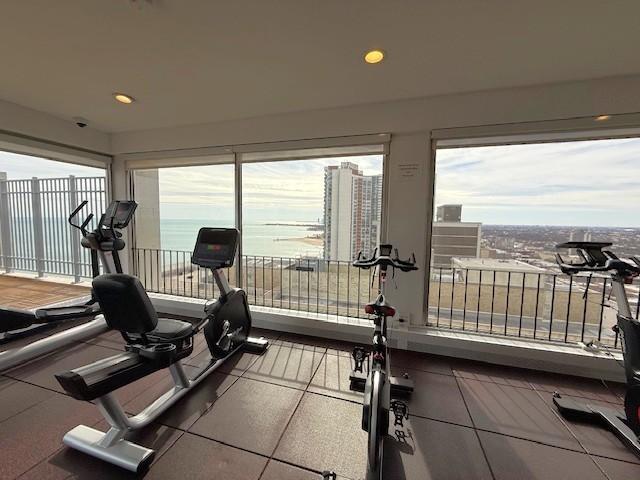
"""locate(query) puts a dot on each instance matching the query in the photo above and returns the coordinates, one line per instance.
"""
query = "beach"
(268, 239)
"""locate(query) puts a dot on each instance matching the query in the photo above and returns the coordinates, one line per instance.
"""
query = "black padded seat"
(169, 330)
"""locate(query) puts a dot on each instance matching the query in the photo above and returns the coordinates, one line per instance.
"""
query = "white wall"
(32, 123)
(559, 101)
(410, 122)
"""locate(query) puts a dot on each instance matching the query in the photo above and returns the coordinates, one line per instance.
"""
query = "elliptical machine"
(375, 380)
(625, 426)
(104, 243)
(152, 344)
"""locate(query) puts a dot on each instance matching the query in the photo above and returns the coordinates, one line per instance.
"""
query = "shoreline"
(315, 241)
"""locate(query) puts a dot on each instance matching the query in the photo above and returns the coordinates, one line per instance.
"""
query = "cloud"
(280, 190)
(570, 178)
(24, 166)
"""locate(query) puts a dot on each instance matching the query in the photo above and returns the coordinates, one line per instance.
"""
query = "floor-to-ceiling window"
(303, 214)
(36, 197)
(500, 210)
(304, 221)
(173, 204)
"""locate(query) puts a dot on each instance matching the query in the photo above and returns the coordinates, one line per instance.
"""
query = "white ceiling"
(197, 61)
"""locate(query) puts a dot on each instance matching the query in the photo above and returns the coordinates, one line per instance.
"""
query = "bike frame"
(378, 385)
(378, 391)
(628, 329)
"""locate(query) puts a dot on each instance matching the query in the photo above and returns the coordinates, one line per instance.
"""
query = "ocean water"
(258, 239)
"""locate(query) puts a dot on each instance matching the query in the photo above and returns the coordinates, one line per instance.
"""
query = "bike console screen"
(119, 214)
(123, 214)
(215, 247)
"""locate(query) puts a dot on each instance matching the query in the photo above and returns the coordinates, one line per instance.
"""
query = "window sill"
(511, 351)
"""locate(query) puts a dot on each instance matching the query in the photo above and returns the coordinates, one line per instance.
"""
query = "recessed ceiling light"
(602, 118)
(124, 98)
(374, 56)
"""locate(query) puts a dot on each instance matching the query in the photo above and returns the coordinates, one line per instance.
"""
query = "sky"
(286, 191)
(589, 183)
(23, 166)
(586, 183)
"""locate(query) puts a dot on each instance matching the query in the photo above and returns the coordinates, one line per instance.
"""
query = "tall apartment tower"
(578, 235)
(451, 238)
(449, 213)
(352, 206)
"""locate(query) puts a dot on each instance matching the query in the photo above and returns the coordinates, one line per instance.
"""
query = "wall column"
(409, 193)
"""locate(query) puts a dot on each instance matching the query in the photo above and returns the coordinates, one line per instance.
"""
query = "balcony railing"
(34, 233)
(309, 285)
(545, 306)
(542, 306)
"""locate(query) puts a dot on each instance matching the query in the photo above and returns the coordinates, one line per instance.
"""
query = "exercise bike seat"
(169, 330)
(380, 307)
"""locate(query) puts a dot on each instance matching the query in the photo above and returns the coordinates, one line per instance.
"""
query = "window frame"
(526, 133)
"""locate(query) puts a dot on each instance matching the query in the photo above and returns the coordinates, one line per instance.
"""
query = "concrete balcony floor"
(289, 413)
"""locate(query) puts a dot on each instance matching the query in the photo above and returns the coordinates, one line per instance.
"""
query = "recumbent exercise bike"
(152, 344)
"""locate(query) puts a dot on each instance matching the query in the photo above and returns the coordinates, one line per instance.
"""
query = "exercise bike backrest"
(125, 303)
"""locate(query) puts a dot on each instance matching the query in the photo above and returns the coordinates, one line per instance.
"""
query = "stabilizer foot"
(401, 386)
(256, 345)
(613, 420)
(122, 453)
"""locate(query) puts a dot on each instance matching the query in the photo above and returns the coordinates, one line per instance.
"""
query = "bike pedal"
(400, 411)
(360, 355)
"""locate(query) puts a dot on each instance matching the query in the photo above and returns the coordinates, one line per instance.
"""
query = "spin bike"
(152, 344)
(375, 380)
(596, 259)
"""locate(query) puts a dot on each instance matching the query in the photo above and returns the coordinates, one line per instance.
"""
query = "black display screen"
(215, 247)
(123, 213)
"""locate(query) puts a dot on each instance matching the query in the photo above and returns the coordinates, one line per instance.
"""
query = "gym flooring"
(289, 413)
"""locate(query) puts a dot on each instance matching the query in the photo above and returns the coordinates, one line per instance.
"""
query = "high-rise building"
(451, 238)
(449, 213)
(352, 206)
(578, 235)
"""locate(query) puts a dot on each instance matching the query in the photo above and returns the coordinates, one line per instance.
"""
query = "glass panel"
(303, 223)
(36, 197)
(173, 204)
(500, 211)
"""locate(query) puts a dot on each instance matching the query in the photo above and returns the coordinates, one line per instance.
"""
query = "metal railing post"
(38, 228)
(75, 235)
(6, 250)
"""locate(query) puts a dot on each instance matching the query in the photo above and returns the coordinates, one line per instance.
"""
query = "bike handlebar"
(596, 259)
(382, 258)
(82, 226)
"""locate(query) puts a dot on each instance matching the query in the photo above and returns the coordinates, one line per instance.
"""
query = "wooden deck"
(30, 293)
